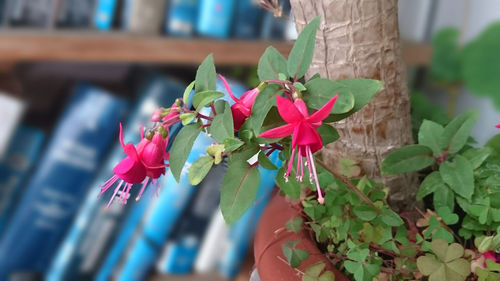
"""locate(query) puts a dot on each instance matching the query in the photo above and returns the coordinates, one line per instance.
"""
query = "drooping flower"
(156, 115)
(242, 108)
(144, 163)
(305, 138)
(172, 117)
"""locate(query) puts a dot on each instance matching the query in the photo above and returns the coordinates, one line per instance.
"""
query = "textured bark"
(360, 39)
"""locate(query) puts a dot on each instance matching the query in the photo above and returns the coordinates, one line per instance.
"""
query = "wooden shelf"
(208, 277)
(91, 46)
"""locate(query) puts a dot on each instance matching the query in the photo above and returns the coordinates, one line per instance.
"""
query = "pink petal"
(130, 171)
(323, 112)
(301, 106)
(227, 88)
(288, 111)
(278, 132)
(498, 126)
(248, 98)
(307, 135)
(239, 116)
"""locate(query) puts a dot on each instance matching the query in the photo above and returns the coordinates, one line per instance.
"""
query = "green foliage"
(301, 55)
(205, 76)
(294, 224)
(456, 133)
(328, 133)
(408, 159)
(446, 64)
(447, 263)
(422, 109)
(271, 64)
(313, 273)
(183, 143)
(199, 169)
(187, 92)
(293, 255)
(265, 162)
(205, 98)
(321, 90)
(222, 125)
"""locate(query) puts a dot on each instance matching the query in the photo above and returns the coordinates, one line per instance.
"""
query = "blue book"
(14, 167)
(164, 213)
(56, 189)
(215, 18)
(104, 14)
(76, 13)
(182, 249)
(182, 17)
(242, 231)
(91, 235)
(248, 19)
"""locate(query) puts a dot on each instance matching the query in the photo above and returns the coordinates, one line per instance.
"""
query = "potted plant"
(337, 221)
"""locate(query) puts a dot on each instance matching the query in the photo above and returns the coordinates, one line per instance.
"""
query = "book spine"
(248, 18)
(104, 14)
(182, 17)
(215, 18)
(146, 17)
(242, 232)
(42, 14)
(213, 244)
(14, 168)
(75, 13)
(182, 249)
(77, 146)
(12, 110)
(95, 227)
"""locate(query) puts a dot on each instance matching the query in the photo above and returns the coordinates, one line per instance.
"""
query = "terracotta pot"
(271, 234)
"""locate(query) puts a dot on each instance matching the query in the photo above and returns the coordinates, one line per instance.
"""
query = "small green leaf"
(431, 183)
(301, 55)
(199, 169)
(294, 256)
(282, 76)
(265, 162)
(271, 65)
(365, 212)
(349, 168)
(459, 176)
(205, 98)
(477, 156)
(428, 265)
(321, 90)
(186, 118)
(299, 86)
(315, 269)
(216, 151)
(429, 135)
(408, 159)
(444, 197)
(290, 187)
(239, 189)
(390, 218)
(205, 75)
(181, 148)
(294, 224)
(456, 133)
(327, 276)
(231, 144)
(328, 134)
(222, 126)
(187, 92)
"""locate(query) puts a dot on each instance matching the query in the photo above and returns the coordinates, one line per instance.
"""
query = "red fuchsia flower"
(143, 163)
(305, 137)
(498, 126)
(172, 117)
(242, 108)
(492, 255)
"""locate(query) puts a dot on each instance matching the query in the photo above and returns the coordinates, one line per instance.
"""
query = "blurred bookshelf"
(92, 46)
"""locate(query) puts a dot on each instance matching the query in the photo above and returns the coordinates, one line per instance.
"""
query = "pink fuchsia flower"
(242, 108)
(492, 255)
(172, 117)
(305, 137)
(498, 126)
(156, 117)
(143, 163)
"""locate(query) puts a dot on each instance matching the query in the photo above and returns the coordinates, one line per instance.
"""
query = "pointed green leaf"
(181, 148)
(328, 134)
(205, 98)
(430, 184)
(390, 218)
(187, 92)
(477, 156)
(222, 125)
(444, 197)
(459, 176)
(265, 162)
(321, 90)
(206, 75)
(456, 133)
(271, 64)
(365, 212)
(408, 159)
(199, 169)
(429, 135)
(301, 55)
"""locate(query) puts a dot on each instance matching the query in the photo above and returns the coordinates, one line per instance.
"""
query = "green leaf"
(186, 118)
(294, 224)
(459, 176)
(446, 64)
(365, 212)
(321, 90)
(239, 189)
(363, 90)
(477, 156)
(449, 218)
(183, 143)
(299, 86)
(494, 144)
(408, 159)
(205, 75)
(216, 150)
(205, 98)
(328, 134)
(349, 168)
(358, 255)
(444, 197)
(271, 64)
(431, 183)
(187, 92)
(231, 144)
(390, 218)
(294, 256)
(265, 162)
(456, 133)
(428, 265)
(481, 64)
(315, 269)
(301, 55)
(222, 126)
(429, 135)
(291, 187)
(199, 169)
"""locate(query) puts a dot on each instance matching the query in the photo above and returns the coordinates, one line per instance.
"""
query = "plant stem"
(213, 108)
(349, 184)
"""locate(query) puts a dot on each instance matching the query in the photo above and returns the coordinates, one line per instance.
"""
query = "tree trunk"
(360, 39)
